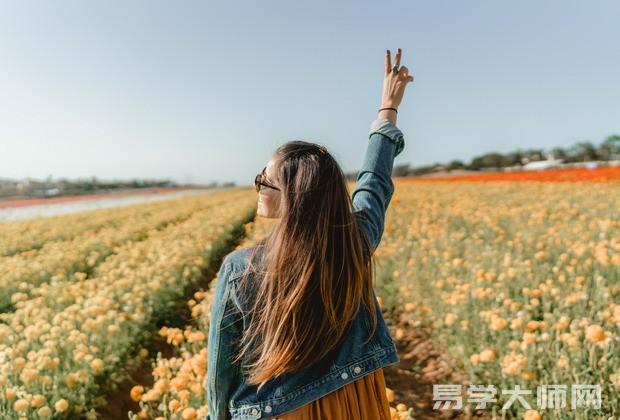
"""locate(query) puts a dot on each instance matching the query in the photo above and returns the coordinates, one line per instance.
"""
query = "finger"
(398, 56)
(404, 71)
(388, 61)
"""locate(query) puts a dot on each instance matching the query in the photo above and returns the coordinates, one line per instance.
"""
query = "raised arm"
(374, 187)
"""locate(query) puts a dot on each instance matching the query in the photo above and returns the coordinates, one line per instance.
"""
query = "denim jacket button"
(357, 369)
(267, 409)
(344, 375)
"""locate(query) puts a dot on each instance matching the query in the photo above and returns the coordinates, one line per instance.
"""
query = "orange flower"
(136, 392)
(595, 333)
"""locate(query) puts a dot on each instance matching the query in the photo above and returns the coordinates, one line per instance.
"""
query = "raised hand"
(394, 83)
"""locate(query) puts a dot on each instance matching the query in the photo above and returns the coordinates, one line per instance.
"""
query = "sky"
(204, 91)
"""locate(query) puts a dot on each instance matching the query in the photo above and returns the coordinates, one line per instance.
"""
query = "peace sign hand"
(394, 83)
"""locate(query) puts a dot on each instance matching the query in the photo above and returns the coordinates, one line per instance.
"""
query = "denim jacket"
(228, 395)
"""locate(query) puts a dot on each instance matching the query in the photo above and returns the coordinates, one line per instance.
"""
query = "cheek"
(269, 199)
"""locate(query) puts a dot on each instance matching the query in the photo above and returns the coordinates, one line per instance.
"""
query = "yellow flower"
(29, 375)
(532, 326)
(174, 405)
(562, 323)
(184, 395)
(96, 365)
(113, 329)
(38, 401)
(151, 395)
(410, 306)
(401, 407)
(487, 355)
(615, 379)
(529, 338)
(516, 323)
(18, 364)
(188, 414)
(450, 318)
(532, 415)
(595, 333)
(513, 363)
(10, 394)
(21, 405)
(61, 405)
(562, 362)
(498, 323)
(399, 333)
(44, 412)
(136, 392)
(196, 337)
(161, 385)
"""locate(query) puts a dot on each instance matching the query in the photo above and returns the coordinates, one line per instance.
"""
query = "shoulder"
(236, 262)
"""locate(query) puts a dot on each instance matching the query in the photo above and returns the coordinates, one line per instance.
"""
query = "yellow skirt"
(363, 399)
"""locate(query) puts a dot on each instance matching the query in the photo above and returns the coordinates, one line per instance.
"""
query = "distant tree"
(582, 151)
(400, 170)
(559, 153)
(512, 159)
(532, 155)
(456, 164)
(609, 149)
(489, 160)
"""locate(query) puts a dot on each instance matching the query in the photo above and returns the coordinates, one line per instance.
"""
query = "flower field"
(69, 335)
(600, 174)
(518, 282)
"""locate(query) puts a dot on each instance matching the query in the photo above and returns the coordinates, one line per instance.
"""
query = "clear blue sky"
(205, 91)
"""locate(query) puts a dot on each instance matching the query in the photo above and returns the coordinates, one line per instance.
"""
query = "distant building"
(542, 164)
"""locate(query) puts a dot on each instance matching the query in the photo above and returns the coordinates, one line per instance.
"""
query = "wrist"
(388, 114)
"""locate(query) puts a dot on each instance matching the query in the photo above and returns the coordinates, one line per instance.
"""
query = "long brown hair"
(315, 272)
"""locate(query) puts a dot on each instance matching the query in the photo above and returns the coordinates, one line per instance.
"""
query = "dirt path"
(421, 365)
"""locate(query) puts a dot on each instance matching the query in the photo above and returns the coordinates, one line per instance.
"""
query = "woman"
(296, 331)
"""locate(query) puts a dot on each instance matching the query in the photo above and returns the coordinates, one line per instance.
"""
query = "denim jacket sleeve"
(374, 187)
(224, 329)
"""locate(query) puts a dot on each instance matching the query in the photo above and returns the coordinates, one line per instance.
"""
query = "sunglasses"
(258, 182)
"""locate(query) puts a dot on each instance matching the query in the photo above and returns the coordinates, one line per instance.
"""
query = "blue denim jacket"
(228, 395)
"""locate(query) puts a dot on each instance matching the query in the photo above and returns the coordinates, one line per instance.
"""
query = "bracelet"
(393, 109)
